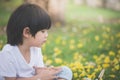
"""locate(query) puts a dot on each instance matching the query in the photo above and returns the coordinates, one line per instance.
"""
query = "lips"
(44, 41)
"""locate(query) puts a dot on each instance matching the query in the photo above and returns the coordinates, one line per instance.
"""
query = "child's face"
(40, 38)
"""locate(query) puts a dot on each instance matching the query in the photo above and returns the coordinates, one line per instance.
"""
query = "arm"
(41, 73)
(14, 78)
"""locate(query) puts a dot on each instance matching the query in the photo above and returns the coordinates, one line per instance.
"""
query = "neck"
(25, 51)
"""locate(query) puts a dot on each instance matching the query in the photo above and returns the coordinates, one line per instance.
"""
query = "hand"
(47, 73)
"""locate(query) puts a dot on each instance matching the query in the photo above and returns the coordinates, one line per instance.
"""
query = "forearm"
(27, 78)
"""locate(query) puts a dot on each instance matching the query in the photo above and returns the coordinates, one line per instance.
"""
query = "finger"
(55, 68)
(55, 77)
(54, 72)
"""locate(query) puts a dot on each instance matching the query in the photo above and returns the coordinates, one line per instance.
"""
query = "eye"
(43, 31)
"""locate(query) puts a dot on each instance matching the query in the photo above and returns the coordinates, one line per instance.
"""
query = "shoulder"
(7, 51)
(8, 48)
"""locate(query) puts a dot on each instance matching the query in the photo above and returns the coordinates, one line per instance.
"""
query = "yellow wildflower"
(118, 51)
(112, 75)
(118, 35)
(117, 67)
(72, 41)
(72, 47)
(108, 29)
(49, 62)
(75, 74)
(82, 74)
(57, 51)
(58, 60)
(111, 53)
(107, 59)
(80, 45)
(63, 42)
(106, 65)
(97, 38)
(105, 36)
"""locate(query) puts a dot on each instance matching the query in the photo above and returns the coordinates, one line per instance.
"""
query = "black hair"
(26, 15)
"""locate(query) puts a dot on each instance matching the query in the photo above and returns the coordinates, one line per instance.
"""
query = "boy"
(21, 58)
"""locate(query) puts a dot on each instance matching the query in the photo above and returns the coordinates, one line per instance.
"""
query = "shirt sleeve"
(7, 67)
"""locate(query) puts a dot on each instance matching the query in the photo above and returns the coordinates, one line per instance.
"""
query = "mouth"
(44, 41)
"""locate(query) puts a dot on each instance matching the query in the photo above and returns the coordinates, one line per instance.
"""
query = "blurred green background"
(87, 42)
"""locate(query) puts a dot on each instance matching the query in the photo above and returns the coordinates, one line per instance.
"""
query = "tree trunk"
(56, 9)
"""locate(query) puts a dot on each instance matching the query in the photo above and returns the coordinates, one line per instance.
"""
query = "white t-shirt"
(13, 64)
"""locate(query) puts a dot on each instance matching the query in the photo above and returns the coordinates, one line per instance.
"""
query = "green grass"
(83, 12)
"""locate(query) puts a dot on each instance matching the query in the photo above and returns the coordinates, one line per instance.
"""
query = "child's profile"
(21, 58)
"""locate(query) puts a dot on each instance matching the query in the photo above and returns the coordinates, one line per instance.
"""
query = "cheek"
(39, 38)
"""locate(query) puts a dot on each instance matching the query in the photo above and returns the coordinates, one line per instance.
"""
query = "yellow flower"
(45, 58)
(102, 56)
(112, 75)
(107, 59)
(58, 40)
(118, 35)
(111, 53)
(105, 36)
(95, 57)
(58, 60)
(57, 51)
(89, 76)
(72, 47)
(85, 31)
(72, 65)
(75, 74)
(105, 65)
(73, 69)
(76, 56)
(63, 42)
(97, 38)
(96, 70)
(103, 42)
(108, 29)
(100, 46)
(72, 41)
(112, 38)
(83, 74)
(117, 67)
(119, 52)
(116, 61)
(80, 45)
(49, 62)
(118, 46)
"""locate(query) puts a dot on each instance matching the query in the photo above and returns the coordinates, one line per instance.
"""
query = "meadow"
(85, 43)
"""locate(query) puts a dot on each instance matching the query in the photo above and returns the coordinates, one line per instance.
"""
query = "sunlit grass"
(85, 13)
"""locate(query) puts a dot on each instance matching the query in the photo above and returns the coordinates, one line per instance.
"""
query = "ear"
(26, 32)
